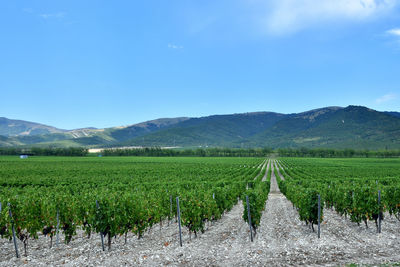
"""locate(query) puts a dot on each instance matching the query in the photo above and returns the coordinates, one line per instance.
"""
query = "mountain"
(18, 127)
(217, 130)
(125, 133)
(91, 136)
(351, 127)
(331, 127)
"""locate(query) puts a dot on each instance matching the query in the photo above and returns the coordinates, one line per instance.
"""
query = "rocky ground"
(281, 240)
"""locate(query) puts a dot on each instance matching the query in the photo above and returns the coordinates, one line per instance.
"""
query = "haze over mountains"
(334, 127)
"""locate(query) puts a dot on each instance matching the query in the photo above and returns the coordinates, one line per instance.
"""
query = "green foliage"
(390, 195)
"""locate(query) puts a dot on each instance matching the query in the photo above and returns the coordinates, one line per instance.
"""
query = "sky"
(97, 63)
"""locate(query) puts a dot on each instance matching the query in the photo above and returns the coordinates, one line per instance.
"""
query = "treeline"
(208, 152)
(37, 151)
(199, 152)
(336, 153)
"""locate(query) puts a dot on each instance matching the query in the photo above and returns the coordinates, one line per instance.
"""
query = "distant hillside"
(351, 127)
(92, 137)
(7, 142)
(121, 134)
(217, 130)
(18, 127)
(286, 133)
(331, 127)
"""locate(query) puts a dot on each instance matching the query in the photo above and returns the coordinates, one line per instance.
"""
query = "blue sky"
(75, 64)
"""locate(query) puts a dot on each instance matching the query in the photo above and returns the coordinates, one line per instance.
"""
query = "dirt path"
(341, 240)
(278, 166)
(266, 173)
(274, 189)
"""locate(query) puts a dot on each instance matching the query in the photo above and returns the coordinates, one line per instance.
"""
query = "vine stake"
(319, 216)
(13, 230)
(380, 212)
(179, 221)
(170, 208)
(57, 229)
(249, 217)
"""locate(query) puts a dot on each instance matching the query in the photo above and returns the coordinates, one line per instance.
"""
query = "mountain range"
(330, 127)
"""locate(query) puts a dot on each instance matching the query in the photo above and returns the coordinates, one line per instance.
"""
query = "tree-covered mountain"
(351, 127)
(217, 130)
(331, 127)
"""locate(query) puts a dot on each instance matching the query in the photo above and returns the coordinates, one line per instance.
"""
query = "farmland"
(136, 212)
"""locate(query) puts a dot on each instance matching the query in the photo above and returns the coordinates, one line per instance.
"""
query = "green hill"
(217, 130)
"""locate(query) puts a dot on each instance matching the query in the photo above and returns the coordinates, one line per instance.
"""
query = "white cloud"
(286, 16)
(395, 32)
(386, 98)
(173, 46)
(57, 15)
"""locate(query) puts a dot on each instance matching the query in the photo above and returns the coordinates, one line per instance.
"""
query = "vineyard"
(64, 207)
(360, 190)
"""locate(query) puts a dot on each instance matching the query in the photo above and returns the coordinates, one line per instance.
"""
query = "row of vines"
(118, 196)
(359, 189)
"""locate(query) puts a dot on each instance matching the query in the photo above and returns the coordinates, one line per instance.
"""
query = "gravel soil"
(281, 240)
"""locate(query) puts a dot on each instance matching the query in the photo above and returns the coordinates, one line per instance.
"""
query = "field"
(131, 202)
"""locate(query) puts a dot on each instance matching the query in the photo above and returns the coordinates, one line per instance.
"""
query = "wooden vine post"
(249, 218)
(179, 220)
(319, 216)
(57, 227)
(13, 230)
(170, 208)
(380, 212)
